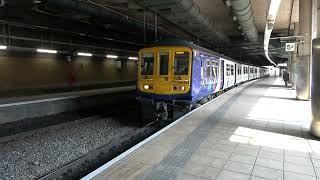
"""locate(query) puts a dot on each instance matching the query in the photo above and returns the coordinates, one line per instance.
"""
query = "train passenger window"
(228, 70)
(164, 63)
(214, 69)
(232, 73)
(208, 69)
(181, 63)
(202, 80)
(147, 63)
(213, 73)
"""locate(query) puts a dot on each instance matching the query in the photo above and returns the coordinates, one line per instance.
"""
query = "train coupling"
(161, 111)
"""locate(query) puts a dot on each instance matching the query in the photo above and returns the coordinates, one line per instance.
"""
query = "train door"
(221, 75)
(215, 74)
(235, 73)
(232, 78)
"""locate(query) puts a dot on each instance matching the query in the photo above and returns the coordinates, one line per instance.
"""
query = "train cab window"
(164, 63)
(181, 63)
(147, 63)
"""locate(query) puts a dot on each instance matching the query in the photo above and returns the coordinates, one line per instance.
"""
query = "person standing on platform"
(285, 77)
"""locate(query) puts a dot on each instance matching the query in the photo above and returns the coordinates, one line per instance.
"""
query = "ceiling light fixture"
(84, 54)
(133, 58)
(3, 47)
(112, 56)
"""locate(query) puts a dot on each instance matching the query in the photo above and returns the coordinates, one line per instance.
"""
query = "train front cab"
(164, 71)
(164, 77)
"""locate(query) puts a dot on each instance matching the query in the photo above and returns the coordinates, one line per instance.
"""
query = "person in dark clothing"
(285, 77)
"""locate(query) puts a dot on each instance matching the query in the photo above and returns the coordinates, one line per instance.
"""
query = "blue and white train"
(180, 74)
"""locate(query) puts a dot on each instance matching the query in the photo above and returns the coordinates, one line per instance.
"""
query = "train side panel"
(205, 75)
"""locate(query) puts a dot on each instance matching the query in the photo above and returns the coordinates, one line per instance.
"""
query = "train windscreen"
(147, 63)
(164, 63)
(181, 63)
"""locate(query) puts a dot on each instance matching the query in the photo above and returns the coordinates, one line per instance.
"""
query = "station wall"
(27, 70)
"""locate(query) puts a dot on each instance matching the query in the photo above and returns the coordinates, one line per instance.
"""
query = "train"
(174, 76)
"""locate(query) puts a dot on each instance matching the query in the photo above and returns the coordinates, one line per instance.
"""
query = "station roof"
(120, 25)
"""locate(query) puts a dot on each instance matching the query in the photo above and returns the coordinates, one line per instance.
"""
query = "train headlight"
(182, 88)
(146, 87)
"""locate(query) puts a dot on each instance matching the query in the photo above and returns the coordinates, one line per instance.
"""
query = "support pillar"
(293, 71)
(315, 81)
(304, 50)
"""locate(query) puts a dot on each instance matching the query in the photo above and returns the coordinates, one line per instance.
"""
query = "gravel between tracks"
(33, 156)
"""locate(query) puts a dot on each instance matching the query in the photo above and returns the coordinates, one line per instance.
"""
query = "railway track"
(36, 152)
(92, 160)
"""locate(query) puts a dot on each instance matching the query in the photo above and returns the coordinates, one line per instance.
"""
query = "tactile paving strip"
(170, 167)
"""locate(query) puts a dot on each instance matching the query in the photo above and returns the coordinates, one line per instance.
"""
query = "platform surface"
(255, 131)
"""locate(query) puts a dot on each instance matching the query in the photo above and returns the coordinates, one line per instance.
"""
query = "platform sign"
(290, 46)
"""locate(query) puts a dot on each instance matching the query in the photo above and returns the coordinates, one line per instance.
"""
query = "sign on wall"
(290, 46)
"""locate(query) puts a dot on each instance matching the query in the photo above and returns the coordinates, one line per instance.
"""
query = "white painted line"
(96, 172)
(70, 95)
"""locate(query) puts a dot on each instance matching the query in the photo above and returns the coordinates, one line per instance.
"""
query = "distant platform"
(14, 97)
(15, 109)
(255, 131)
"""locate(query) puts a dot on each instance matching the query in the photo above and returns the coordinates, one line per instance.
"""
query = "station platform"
(15, 109)
(24, 113)
(255, 131)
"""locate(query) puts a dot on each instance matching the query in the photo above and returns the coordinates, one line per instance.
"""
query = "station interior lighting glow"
(133, 58)
(47, 51)
(3, 47)
(84, 54)
(282, 64)
(112, 56)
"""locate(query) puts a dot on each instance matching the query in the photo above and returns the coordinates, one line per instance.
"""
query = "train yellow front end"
(164, 78)
(164, 71)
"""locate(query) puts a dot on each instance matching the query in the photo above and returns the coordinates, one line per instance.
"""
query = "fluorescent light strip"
(112, 56)
(84, 54)
(3, 47)
(133, 58)
(46, 51)
(282, 64)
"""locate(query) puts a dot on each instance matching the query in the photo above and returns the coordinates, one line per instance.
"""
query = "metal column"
(304, 51)
(315, 81)
(293, 72)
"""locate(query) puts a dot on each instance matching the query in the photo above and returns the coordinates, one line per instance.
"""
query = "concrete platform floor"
(256, 131)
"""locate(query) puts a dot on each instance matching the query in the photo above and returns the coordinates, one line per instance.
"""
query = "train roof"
(178, 42)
